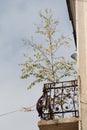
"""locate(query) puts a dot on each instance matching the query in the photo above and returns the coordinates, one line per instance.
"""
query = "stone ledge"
(59, 124)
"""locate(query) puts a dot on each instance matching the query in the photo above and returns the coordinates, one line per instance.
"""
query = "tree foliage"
(45, 64)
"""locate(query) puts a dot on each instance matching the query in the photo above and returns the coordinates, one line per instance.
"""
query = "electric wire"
(23, 109)
(9, 113)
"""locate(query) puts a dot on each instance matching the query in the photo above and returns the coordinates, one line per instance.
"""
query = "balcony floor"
(59, 124)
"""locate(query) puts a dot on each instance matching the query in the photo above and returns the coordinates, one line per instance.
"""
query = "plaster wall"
(81, 31)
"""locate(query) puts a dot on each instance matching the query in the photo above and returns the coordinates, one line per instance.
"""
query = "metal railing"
(59, 100)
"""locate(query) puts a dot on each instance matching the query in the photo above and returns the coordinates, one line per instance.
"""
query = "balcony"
(59, 100)
(59, 103)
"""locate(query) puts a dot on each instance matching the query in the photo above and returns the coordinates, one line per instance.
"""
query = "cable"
(23, 109)
(9, 112)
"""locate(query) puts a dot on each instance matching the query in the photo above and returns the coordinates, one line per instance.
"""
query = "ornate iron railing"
(59, 100)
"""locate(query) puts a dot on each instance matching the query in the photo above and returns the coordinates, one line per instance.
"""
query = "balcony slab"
(59, 124)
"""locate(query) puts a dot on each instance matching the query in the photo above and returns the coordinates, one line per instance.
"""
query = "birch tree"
(46, 65)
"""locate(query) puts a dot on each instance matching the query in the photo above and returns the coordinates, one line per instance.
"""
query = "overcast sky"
(17, 19)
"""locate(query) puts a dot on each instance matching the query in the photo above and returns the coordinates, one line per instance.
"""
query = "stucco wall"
(81, 29)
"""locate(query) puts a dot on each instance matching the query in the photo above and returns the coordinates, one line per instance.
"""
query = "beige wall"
(79, 18)
(81, 29)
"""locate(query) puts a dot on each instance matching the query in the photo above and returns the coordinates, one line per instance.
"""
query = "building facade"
(78, 15)
(79, 21)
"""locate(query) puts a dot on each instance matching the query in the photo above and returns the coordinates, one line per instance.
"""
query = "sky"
(17, 21)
